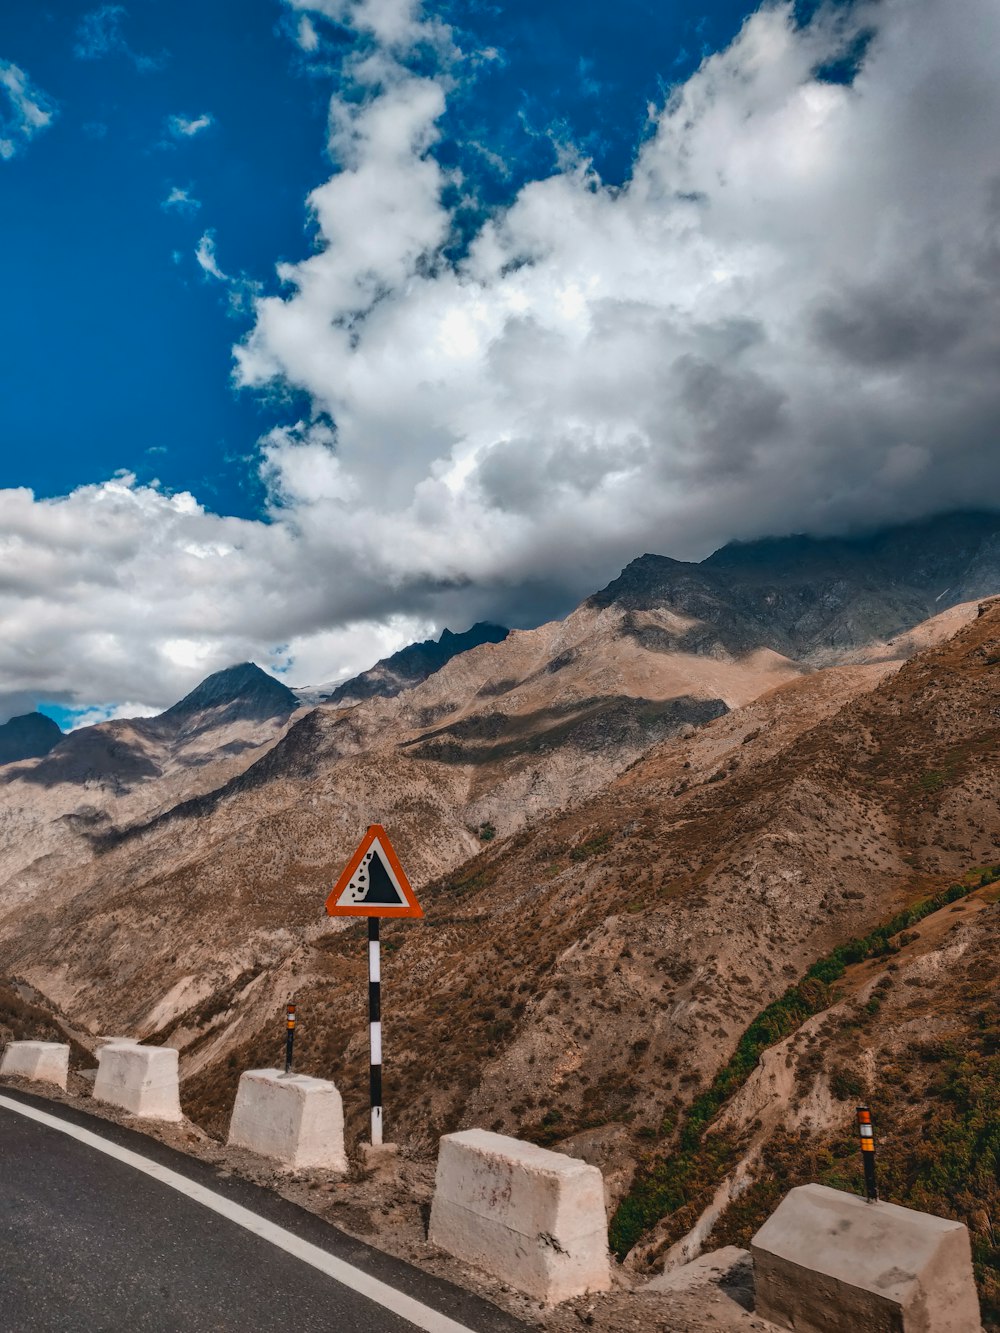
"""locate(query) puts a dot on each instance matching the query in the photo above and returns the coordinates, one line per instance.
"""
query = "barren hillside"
(585, 983)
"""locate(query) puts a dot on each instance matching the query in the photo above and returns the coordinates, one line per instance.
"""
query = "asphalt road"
(91, 1244)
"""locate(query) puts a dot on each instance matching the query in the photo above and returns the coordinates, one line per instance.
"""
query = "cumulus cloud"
(24, 110)
(786, 319)
(100, 33)
(122, 592)
(184, 127)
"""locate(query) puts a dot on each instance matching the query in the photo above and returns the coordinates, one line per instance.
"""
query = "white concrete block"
(533, 1218)
(293, 1119)
(42, 1061)
(140, 1079)
(830, 1262)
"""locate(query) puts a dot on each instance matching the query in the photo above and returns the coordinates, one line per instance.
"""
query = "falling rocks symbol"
(372, 883)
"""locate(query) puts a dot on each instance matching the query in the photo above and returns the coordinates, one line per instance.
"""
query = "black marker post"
(289, 1036)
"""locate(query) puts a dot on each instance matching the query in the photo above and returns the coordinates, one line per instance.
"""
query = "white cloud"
(181, 200)
(358, 642)
(306, 34)
(93, 716)
(121, 592)
(241, 291)
(799, 277)
(24, 110)
(786, 319)
(395, 25)
(183, 127)
(205, 255)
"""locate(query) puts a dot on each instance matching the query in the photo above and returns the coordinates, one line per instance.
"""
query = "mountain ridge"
(809, 598)
(407, 667)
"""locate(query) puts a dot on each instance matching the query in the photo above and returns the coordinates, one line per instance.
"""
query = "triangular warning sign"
(374, 883)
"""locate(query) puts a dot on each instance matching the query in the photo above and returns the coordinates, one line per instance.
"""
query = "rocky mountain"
(591, 982)
(222, 716)
(116, 773)
(242, 693)
(810, 598)
(27, 737)
(407, 668)
(636, 834)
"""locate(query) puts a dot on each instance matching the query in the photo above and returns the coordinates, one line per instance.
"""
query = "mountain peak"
(415, 663)
(647, 581)
(29, 736)
(243, 691)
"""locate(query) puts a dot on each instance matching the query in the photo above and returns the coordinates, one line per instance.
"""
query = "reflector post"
(289, 1036)
(867, 1136)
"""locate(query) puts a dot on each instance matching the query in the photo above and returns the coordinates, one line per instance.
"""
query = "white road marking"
(423, 1316)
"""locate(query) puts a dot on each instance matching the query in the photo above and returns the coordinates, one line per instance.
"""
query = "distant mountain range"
(806, 598)
(809, 600)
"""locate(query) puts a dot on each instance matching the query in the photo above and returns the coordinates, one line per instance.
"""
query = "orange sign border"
(413, 908)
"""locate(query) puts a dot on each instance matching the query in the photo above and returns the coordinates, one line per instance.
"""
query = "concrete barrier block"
(830, 1262)
(42, 1061)
(293, 1119)
(533, 1218)
(140, 1079)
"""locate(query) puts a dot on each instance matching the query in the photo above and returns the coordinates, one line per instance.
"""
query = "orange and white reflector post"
(867, 1136)
(289, 1036)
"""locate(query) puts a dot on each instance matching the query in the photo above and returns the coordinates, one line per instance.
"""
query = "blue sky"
(115, 348)
(330, 323)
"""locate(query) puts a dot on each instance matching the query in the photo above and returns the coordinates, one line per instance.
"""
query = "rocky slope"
(227, 893)
(584, 983)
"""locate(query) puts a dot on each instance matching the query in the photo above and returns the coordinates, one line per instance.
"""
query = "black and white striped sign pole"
(374, 884)
(375, 1027)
